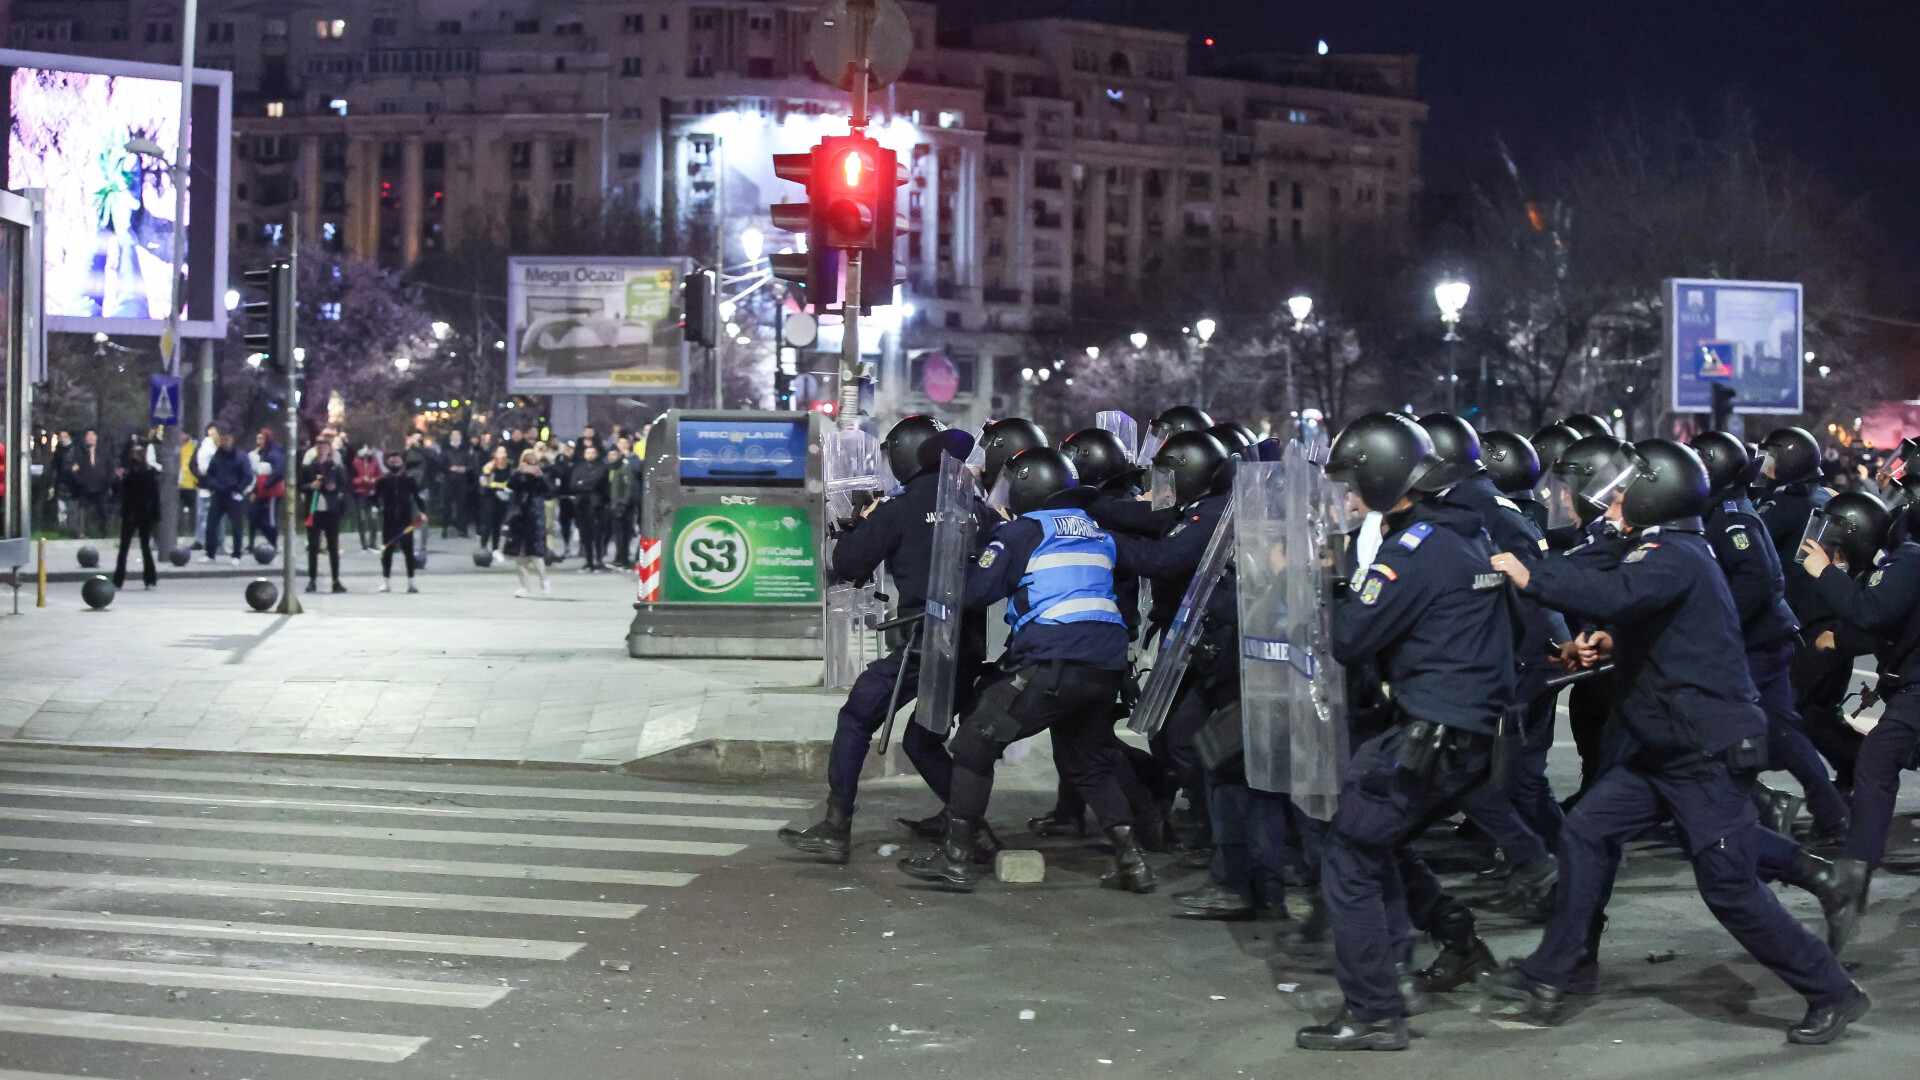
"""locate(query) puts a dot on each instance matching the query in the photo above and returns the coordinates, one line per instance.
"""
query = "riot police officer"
(1064, 664)
(898, 532)
(1514, 466)
(1790, 469)
(1001, 440)
(1440, 627)
(1882, 598)
(1689, 705)
(1588, 425)
(1746, 554)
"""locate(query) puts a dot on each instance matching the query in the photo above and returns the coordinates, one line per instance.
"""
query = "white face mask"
(1370, 541)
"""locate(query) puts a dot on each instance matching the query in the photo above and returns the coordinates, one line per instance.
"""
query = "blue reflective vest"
(1069, 576)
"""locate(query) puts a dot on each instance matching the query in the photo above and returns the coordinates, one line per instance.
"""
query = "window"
(663, 22)
(526, 26)
(996, 207)
(952, 118)
(330, 29)
(563, 195)
(1298, 116)
(699, 67)
(520, 155)
(630, 160)
(635, 24)
(1084, 59)
(1118, 64)
(759, 67)
(1156, 184)
(159, 33)
(337, 106)
(569, 28)
(563, 154)
(388, 106)
(630, 67)
(434, 156)
(1160, 66)
(1299, 196)
(276, 109)
(447, 26)
(704, 20)
(333, 154)
(386, 26)
(1294, 232)
(1199, 185)
(632, 112)
(390, 153)
(330, 310)
(333, 195)
(559, 63)
(761, 23)
(1273, 230)
(220, 33)
(273, 29)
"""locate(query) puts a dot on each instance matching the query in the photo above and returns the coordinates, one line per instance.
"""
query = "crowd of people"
(1700, 605)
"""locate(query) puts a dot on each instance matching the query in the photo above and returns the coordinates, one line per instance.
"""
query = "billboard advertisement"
(743, 453)
(110, 226)
(1743, 334)
(596, 325)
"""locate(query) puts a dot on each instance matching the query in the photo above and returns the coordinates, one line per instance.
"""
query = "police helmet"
(1793, 453)
(1178, 419)
(1237, 438)
(1594, 469)
(1035, 476)
(1726, 459)
(1509, 459)
(902, 444)
(1194, 458)
(1670, 484)
(1456, 444)
(1382, 457)
(1002, 439)
(1857, 522)
(1552, 441)
(1588, 424)
(1097, 454)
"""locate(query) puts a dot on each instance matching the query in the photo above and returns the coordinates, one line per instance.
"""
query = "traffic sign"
(163, 400)
(834, 46)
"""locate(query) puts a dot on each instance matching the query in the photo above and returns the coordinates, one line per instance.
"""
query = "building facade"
(1048, 159)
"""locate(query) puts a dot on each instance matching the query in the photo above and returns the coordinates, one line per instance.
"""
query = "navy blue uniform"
(1437, 622)
(1759, 587)
(1886, 602)
(899, 533)
(1688, 703)
(1066, 659)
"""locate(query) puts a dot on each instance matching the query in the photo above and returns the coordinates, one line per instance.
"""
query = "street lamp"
(1205, 328)
(1451, 295)
(1093, 352)
(232, 299)
(1138, 338)
(402, 363)
(1300, 307)
(752, 242)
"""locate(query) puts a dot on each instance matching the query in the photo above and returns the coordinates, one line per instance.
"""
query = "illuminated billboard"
(110, 225)
(1743, 334)
(596, 325)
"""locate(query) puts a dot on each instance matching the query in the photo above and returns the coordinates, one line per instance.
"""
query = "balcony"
(1047, 297)
(1047, 178)
(1044, 220)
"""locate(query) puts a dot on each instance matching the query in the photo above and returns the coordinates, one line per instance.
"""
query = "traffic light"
(700, 318)
(851, 206)
(847, 175)
(1723, 396)
(812, 269)
(270, 320)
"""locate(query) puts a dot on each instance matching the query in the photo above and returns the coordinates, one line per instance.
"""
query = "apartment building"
(1048, 159)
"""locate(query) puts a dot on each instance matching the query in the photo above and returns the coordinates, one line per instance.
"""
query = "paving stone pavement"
(461, 671)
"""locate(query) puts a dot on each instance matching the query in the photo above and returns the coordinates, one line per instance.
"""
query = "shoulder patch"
(1386, 571)
(1875, 578)
(1370, 594)
(1639, 553)
(1413, 537)
(1508, 503)
(1544, 546)
(1732, 506)
(1741, 541)
(993, 552)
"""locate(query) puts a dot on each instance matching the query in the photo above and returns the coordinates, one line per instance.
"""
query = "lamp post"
(1138, 339)
(1451, 296)
(1300, 306)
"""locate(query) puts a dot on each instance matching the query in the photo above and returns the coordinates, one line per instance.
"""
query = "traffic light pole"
(289, 600)
(848, 414)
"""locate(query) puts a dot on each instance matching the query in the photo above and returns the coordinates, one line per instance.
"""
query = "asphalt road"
(174, 916)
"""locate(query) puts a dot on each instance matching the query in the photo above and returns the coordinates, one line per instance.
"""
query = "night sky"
(1836, 81)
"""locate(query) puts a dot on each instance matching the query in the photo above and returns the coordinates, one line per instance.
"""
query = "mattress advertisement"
(596, 325)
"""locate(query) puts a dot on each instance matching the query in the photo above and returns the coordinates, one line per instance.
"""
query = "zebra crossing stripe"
(482, 813)
(313, 894)
(373, 832)
(347, 986)
(520, 871)
(285, 934)
(341, 783)
(21, 1074)
(210, 1035)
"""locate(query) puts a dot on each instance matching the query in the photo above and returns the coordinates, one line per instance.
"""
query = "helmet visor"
(1826, 531)
(1161, 488)
(1572, 499)
(997, 498)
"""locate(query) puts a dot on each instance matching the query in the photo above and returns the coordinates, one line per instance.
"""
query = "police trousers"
(1720, 831)
(1383, 807)
(1787, 744)
(863, 715)
(1077, 701)
(1888, 748)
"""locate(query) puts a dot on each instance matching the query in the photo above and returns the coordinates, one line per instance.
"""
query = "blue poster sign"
(1743, 334)
(163, 400)
(759, 453)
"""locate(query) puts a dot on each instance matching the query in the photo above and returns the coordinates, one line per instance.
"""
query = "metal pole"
(849, 412)
(290, 603)
(716, 351)
(170, 340)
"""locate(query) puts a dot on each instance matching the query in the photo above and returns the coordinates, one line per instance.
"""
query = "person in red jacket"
(367, 472)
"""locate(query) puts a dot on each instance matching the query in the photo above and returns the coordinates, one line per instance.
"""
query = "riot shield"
(848, 642)
(954, 528)
(851, 463)
(1170, 663)
(1124, 427)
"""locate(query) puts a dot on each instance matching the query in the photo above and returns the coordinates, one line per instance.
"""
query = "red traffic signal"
(848, 172)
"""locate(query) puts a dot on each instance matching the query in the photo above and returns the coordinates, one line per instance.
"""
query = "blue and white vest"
(1069, 577)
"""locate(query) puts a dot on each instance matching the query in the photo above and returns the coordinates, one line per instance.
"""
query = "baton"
(899, 677)
(1579, 676)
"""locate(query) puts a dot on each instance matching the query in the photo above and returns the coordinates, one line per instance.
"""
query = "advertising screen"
(110, 225)
(742, 453)
(1743, 334)
(596, 325)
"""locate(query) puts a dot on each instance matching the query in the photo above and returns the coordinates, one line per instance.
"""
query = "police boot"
(1313, 931)
(1777, 808)
(926, 828)
(1210, 901)
(1841, 888)
(1130, 869)
(831, 838)
(1055, 824)
(1414, 1000)
(986, 845)
(1823, 1025)
(1543, 1004)
(1344, 1032)
(1530, 890)
(951, 864)
(1462, 954)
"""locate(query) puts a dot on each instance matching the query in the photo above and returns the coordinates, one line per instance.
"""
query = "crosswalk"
(357, 886)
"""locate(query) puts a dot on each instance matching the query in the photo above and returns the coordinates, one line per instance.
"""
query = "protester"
(323, 490)
(202, 459)
(621, 485)
(460, 465)
(90, 479)
(494, 497)
(139, 511)
(526, 522)
(226, 479)
(590, 497)
(269, 464)
(402, 512)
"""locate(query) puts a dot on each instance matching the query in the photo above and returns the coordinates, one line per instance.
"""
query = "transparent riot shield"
(851, 464)
(1170, 663)
(1319, 518)
(1124, 427)
(851, 468)
(848, 642)
(954, 527)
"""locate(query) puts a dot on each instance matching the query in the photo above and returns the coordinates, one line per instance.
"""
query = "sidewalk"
(463, 671)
